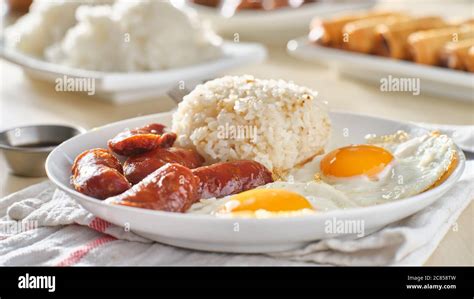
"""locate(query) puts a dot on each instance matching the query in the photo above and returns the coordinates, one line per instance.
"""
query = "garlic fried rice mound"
(276, 123)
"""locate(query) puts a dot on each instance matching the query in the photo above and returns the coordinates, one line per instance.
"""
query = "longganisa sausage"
(226, 178)
(171, 188)
(136, 168)
(141, 140)
(98, 173)
(174, 187)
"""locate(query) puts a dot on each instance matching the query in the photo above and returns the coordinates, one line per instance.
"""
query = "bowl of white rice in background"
(277, 123)
(120, 50)
(113, 36)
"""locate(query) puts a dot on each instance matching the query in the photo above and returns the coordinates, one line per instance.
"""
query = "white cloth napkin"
(463, 136)
(41, 225)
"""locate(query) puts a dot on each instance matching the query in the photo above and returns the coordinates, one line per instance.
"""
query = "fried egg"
(277, 199)
(384, 169)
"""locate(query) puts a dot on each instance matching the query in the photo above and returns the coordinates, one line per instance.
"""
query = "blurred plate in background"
(433, 80)
(122, 88)
(274, 26)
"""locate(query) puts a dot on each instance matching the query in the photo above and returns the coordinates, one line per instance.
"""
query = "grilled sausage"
(141, 140)
(98, 173)
(171, 188)
(174, 187)
(228, 178)
(138, 167)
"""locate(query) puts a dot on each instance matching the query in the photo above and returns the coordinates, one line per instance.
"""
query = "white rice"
(120, 36)
(45, 24)
(291, 125)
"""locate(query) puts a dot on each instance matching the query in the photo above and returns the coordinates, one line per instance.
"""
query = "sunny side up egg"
(387, 168)
(277, 199)
(271, 201)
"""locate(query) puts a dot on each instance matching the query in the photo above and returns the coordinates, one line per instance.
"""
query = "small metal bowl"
(26, 148)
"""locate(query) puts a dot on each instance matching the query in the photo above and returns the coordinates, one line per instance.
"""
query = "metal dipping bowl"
(26, 148)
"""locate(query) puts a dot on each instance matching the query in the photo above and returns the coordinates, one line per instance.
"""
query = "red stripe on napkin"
(82, 251)
(99, 224)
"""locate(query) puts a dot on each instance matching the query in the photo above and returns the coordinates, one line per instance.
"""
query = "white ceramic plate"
(434, 80)
(128, 87)
(205, 232)
(270, 25)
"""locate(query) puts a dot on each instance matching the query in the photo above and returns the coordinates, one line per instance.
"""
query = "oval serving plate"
(250, 22)
(121, 88)
(205, 232)
(456, 85)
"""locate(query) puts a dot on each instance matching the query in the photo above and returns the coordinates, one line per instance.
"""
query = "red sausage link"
(171, 188)
(226, 178)
(98, 173)
(138, 167)
(140, 140)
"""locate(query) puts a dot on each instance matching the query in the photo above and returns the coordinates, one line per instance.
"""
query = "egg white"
(321, 196)
(418, 163)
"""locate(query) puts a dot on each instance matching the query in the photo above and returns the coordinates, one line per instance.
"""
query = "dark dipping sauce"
(38, 145)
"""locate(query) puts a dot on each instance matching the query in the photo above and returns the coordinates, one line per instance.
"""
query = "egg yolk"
(355, 160)
(274, 200)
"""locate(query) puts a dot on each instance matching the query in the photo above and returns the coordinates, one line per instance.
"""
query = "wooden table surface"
(24, 101)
